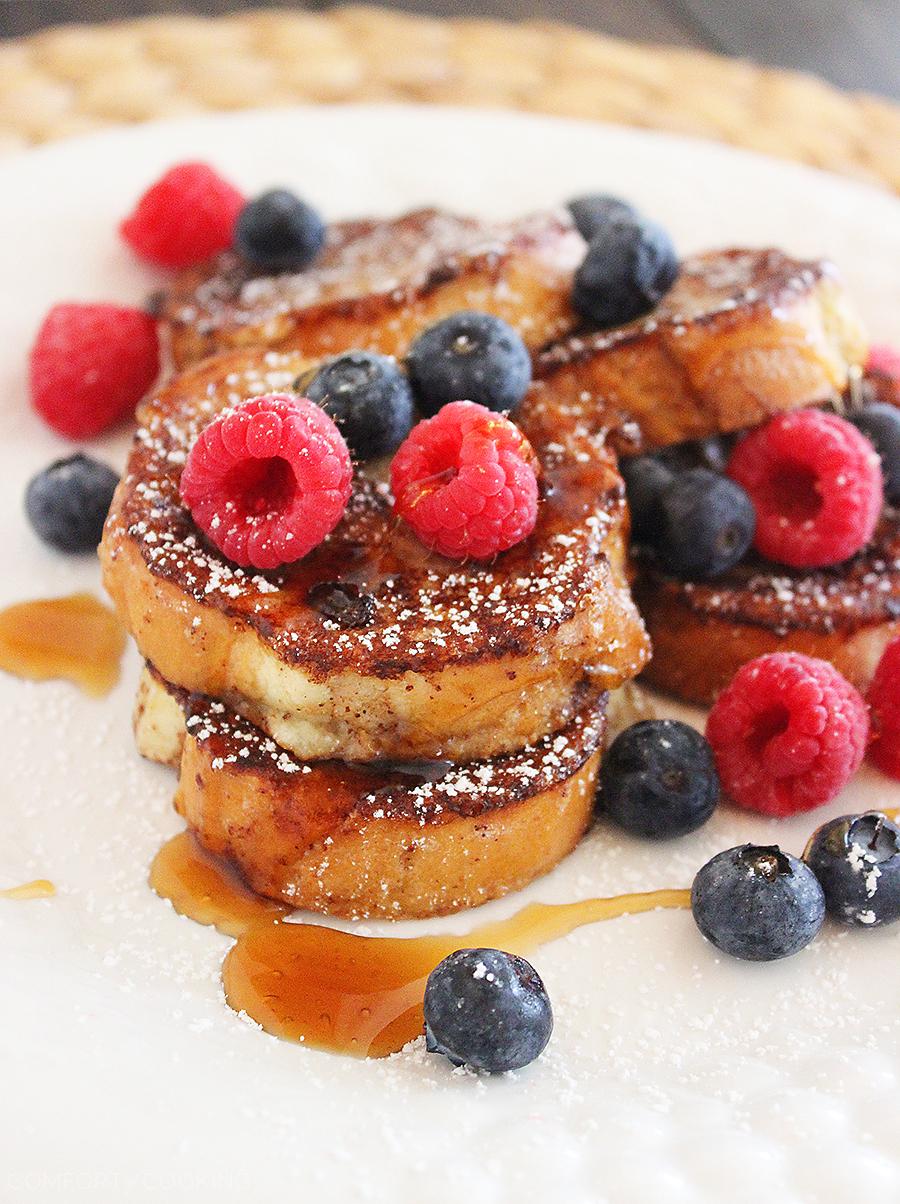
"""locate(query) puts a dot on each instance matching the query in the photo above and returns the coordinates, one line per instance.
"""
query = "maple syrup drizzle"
(75, 637)
(40, 888)
(335, 990)
(205, 888)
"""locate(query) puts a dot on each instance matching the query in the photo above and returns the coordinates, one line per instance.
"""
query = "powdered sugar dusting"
(710, 286)
(425, 792)
(426, 610)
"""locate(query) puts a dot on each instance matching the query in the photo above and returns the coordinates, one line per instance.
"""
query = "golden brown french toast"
(395, 842)
(444, 660)
(741, 335)
(378, 283)
(702, 632)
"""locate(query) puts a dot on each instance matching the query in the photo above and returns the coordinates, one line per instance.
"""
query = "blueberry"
(757, 903)
(705, 524)
(469, 356)
(593, 211)
(343, 603)
(279, 233)
(486, 1009)
(658, 779)
(857, 860)
(368, 397)
(645, 478)
(629, 266)
(880, 423)
(67, 502)
(712, 453)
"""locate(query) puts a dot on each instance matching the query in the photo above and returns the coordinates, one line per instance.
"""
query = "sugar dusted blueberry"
(368, 397)
(857, 861)
(757, 903)
(469, 356)
(658, 779)
(629, 267)
(705, 524)
(487, 1009)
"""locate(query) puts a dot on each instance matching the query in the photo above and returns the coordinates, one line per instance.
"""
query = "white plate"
(673, 1075)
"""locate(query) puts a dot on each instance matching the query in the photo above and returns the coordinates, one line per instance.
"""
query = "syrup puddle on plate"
(76, 638)
(40, 888)
(334, 990)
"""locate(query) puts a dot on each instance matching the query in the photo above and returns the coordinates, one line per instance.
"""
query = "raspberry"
(882, 376)
(884, 360)
(816, 484)
(884, 699)
(90, 365)
(465, 482)
(187, 216)
(267, 480)
(787, 733)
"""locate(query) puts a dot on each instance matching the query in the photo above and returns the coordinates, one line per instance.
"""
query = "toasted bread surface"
(380, 840)
(378, 283)
(702, 632)
(458, 661)
(742, 335)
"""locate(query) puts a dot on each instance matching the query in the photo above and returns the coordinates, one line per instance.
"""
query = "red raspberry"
(882, 376)
(884, 699)
(816, 484)
(884, 360)
(787, 733)
(187, 216)
(268, 479)
(90, 365)
(465, 482)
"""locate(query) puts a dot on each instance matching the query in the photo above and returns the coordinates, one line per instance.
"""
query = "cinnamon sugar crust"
(741, 335)
(454, 659)
(395, 841)
(378, 283)
(846, 614)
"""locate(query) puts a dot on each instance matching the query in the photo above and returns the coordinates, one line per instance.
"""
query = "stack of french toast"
(375, 730)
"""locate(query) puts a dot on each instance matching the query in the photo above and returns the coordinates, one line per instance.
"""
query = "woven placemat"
(78, 78)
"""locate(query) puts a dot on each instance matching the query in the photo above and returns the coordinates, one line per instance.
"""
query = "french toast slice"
(378, 283)
(451, 660)
(377, 841)
(702, 632)
(741, 335)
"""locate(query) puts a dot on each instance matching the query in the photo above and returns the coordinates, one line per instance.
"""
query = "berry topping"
(880, 423)
(884, 361)
(704, 524)
(90, 365)
(884, 699)
(658, 779)
(368, 397)
(857, 861)
(185, 217)
(787, 732)
(67, 502)
(711, 453)
(629, 267)
(471, 356)
(465, 482)
(815, 482)
(645, 478)
(343, 603)
(278, 232)
(757, 903)
(487, 1009)
(590, 213)
(267, 480)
